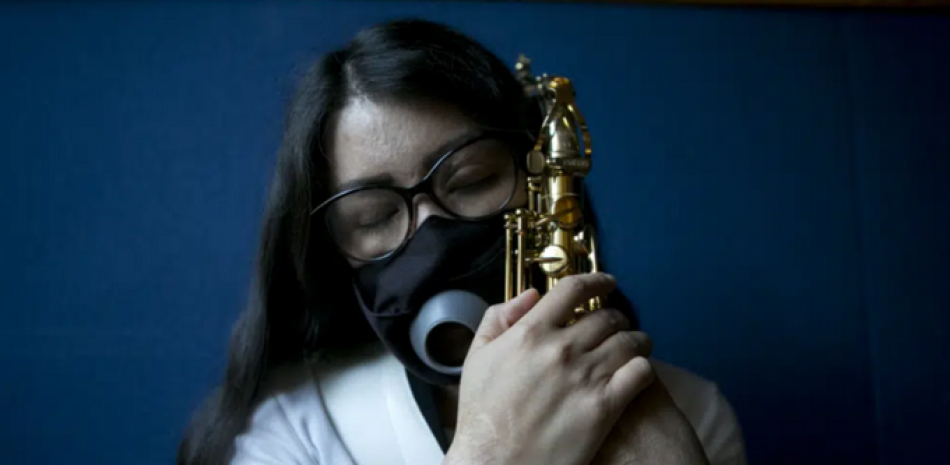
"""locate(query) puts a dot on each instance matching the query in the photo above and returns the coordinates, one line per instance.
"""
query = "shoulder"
(708, 411)
(289, 424)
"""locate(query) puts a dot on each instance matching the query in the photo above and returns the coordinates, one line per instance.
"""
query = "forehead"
(390, 142)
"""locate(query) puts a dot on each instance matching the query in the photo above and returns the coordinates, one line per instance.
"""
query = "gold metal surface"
(550, 235)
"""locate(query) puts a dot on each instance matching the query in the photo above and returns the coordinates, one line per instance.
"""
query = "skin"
(369, 140)
(372, 139)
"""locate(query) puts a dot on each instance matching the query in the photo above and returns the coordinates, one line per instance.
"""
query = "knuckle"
(629, 343)
(582, 375)
(575, 284)
(526, 334)
(620, 319)
(610, 318)
(492, 310)
(560, 353)
(643, 368)
(602, 407)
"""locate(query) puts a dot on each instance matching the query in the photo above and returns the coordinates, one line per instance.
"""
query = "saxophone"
(548, 239)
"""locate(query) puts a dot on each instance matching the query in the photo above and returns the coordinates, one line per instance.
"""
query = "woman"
(399, 154)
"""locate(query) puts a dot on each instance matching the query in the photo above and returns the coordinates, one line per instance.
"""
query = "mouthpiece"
(444, 328)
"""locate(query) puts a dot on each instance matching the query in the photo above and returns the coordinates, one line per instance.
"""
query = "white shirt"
(360, 410)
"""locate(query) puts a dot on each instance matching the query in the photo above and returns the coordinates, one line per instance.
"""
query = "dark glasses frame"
(517, 141)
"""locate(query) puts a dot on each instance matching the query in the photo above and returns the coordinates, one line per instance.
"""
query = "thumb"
(498, 318)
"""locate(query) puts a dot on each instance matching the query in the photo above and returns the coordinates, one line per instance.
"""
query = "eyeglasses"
(473, 181)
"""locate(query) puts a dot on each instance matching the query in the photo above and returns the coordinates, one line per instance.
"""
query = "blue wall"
(773, 186)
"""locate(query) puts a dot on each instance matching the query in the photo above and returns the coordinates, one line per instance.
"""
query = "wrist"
(465, 452)
(459, 454)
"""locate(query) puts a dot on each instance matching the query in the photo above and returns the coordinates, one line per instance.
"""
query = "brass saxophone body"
(549, 239)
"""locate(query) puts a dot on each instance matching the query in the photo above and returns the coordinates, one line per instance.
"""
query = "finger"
(595, 327)
(514, 313)
(629, 381)
(557, 307)
(498, 318)
(616, 351)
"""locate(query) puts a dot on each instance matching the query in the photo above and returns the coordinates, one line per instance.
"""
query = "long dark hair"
(293, 310)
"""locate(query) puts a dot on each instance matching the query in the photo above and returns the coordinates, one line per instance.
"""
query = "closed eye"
(377, 219)
(469, 178)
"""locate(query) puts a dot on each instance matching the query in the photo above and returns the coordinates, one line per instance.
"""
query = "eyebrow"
(379, 179)
(386, 179)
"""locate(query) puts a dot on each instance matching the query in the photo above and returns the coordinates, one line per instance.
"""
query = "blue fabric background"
(773, 187)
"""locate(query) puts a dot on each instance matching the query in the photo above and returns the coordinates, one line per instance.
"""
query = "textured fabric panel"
(902, 166)
(723, 193)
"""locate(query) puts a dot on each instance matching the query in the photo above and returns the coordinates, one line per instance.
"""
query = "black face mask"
(443, 255)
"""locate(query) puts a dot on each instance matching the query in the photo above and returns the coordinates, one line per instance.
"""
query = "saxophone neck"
(549, 239)
(563, 139)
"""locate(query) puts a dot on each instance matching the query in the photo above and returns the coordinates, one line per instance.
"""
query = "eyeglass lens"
(474, 182)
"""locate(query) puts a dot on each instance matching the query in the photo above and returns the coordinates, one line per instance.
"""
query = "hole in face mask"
(448, 344)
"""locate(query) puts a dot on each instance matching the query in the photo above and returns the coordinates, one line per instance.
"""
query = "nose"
(425, 208)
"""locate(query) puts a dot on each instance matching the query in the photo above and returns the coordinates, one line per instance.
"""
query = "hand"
(652, 430)
(535, 391)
